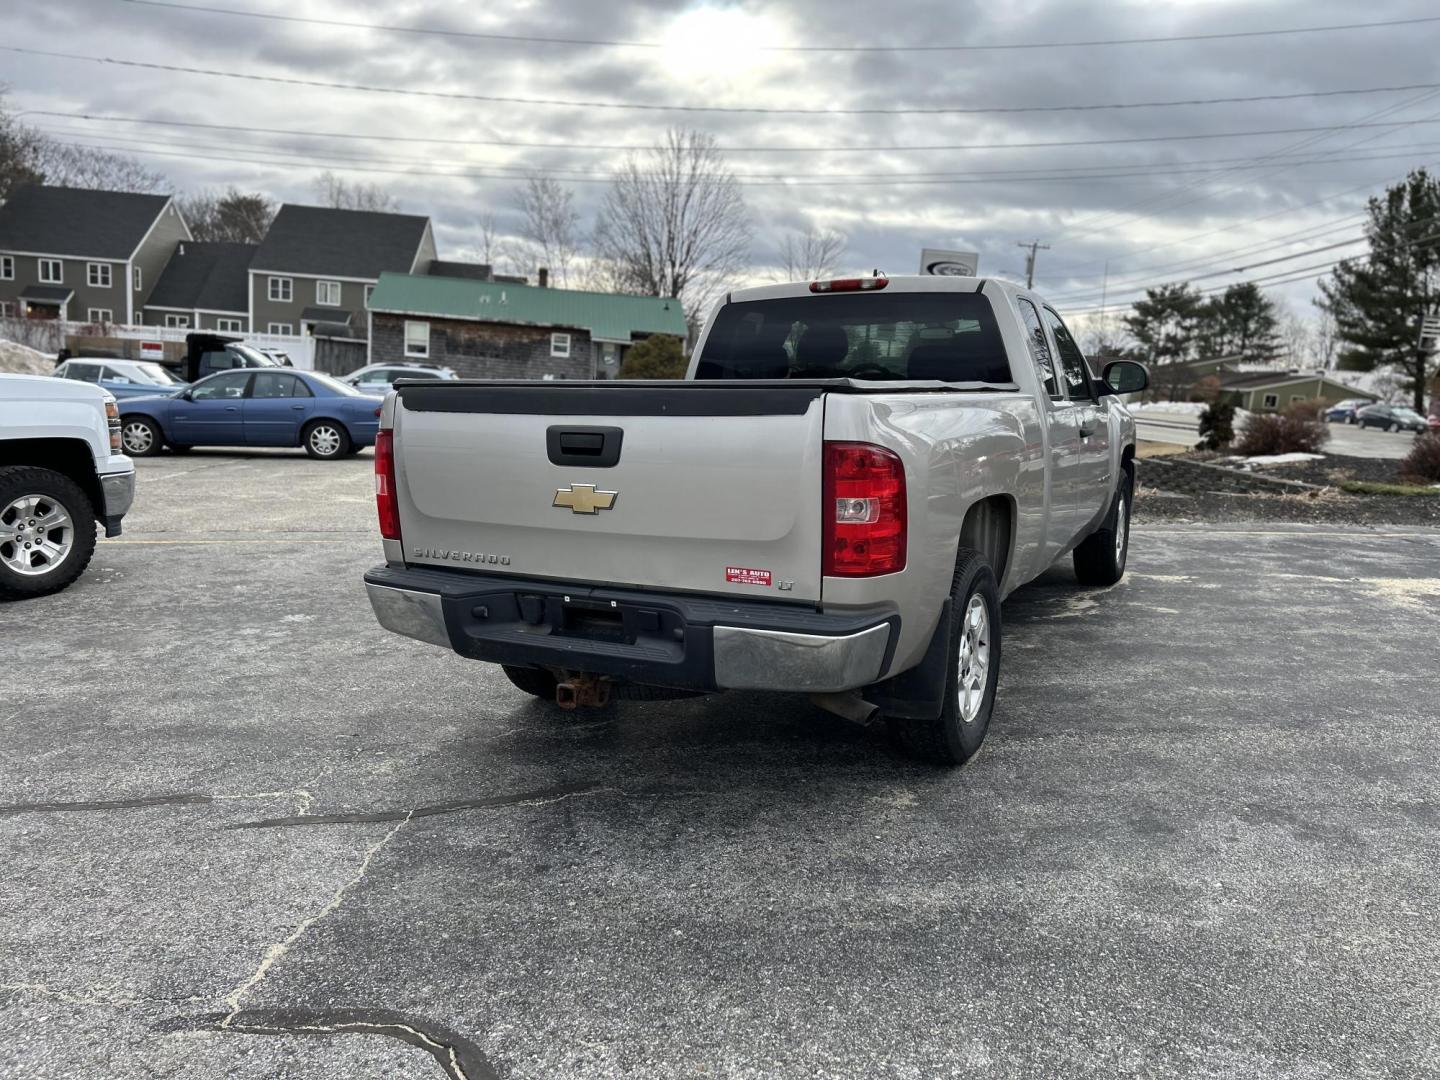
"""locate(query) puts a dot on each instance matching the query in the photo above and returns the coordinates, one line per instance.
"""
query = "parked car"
(1391, 418)
(122, 378)
(61, 471)
(1344, 412)
(271, 407)
(379, 379)
(879, 462)
(280, 356)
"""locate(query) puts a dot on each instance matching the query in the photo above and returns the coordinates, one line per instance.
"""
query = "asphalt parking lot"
(247, 833)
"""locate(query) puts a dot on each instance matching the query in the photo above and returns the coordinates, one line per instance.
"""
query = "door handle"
(298, 408)
(232, 408)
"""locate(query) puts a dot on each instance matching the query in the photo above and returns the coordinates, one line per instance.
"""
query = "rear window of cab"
(948, 337)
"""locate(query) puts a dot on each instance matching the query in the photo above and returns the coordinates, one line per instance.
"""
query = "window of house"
(327, 293)
(7, 267)
(99, 315)
(282, 289)
(137, 279)
(229, 326)
(1296, 397)
(560, 345)
(1272, 401)
(52, 271)
(417, 338)
(283, 329)
(177, 320)
(98, 275)
(7, 309)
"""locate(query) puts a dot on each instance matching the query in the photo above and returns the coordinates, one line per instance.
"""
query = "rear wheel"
(47, 531)
(1100, 557)
(972, 670)
(536, 682)
(1392, 427)
(140, 436)
(326, 439)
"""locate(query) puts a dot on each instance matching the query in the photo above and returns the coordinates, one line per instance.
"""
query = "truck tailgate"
(713, 489)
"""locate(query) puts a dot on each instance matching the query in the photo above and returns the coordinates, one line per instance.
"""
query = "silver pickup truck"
(834, 502)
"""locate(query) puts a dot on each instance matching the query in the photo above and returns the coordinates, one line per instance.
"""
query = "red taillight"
(385, 504)
(850, 284)
(864, 510)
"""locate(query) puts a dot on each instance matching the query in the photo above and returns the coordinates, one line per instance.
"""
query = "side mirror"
(1125, 377)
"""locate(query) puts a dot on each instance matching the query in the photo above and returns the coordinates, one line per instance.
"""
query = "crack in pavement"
(187, 798)
(275, 952)
(524, 798)
(458, 1056)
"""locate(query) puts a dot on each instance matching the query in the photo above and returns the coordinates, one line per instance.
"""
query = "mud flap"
(918, 693)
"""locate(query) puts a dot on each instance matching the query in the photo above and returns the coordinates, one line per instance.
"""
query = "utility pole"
(1033, 246)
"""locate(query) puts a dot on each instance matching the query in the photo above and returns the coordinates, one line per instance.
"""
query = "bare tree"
(1297, 337)
(234, 216)
(674, 222)
(810, 254)
(1327, 340)
(341, 194)
(19, 152)
(68, 165)
(551, 228)
(489, 239)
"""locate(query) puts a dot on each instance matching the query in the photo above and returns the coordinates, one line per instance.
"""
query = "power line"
(1083, 174)
(534, 39)
(854, 148)
(455, 95)
(373, 137)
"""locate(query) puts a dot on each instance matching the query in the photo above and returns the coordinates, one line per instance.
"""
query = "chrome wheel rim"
(974, 650)
(137, 437)
(36, 535)
(1122, 529)
(325, 440)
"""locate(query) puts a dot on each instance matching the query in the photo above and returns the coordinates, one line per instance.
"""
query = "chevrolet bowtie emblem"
(584, 499)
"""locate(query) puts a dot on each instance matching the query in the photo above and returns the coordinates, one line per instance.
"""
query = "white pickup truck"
(834, 502)
(61, 470)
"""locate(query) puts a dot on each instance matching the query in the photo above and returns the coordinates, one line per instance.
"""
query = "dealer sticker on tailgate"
(740, 575)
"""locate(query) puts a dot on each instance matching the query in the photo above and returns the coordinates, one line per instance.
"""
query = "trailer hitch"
(583, 689)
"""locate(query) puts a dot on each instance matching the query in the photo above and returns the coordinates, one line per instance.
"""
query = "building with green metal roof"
(500, 330)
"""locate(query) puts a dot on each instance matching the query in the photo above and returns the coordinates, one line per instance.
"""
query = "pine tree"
(1241, 321)
(1378, 302)
(1165, 326)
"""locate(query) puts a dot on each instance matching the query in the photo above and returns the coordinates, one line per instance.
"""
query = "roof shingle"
(208, 276)
(319, 241)
(77, 223)
(607, 316)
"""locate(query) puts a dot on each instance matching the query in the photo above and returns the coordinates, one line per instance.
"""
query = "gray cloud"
(1088, 222)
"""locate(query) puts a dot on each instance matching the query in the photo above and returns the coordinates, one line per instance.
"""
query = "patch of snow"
(17, 359)
(1180, 408)
(1281, 459)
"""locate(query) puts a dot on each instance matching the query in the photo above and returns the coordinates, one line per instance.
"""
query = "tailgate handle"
(590, 447)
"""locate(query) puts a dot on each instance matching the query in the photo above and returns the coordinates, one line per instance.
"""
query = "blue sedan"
(253, 407)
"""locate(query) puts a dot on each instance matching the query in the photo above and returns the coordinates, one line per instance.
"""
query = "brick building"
(501, 330)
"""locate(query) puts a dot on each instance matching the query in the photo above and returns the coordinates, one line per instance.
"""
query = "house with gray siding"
(316, 267)
(204, 286)
(86, 256)
(500, 330)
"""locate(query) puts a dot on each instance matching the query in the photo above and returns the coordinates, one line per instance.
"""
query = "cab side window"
(1073, 368)
(1039, 348)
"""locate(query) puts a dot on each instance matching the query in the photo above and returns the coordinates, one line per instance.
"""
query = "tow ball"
(582, 689)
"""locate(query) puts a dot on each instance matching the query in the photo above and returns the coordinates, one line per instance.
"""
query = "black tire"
(54, 490)
(325, 439)
(1100, 557)
(1392, 428)
(537, 682)
(140, 436)
(951, 738)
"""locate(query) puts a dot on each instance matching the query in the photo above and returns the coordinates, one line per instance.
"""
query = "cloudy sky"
(1161, 209)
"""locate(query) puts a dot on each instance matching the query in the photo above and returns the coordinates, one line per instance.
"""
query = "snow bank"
(1280, 459)
(16, 359)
